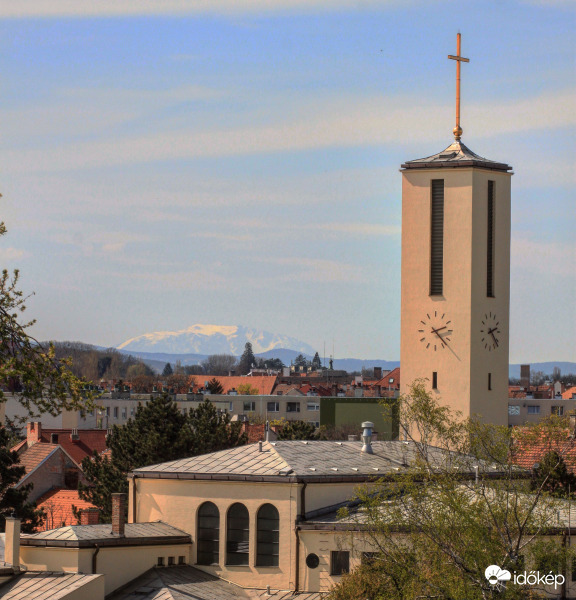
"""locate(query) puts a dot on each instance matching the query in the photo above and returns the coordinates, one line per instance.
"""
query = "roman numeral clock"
(456, 276)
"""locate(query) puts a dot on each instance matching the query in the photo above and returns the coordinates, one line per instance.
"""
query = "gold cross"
(458, 130)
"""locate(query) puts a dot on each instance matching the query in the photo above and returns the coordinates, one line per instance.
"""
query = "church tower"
(456, 276)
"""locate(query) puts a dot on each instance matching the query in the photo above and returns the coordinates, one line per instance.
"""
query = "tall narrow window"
(435, 380)
(237, 535)
(490, 243)
(208, 537)
(437, 238)
(490, 381)
(268, 536)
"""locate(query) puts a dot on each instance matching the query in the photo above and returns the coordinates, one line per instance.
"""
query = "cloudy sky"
(167, 162)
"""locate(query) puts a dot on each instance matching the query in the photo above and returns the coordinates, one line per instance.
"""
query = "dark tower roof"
(456, 155)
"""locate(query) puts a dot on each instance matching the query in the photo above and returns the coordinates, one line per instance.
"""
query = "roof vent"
(368, 426)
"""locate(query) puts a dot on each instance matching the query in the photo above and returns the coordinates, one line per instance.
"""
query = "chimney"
(90, 516)
(33, 432)
(367, 437)
(377, 372)
(118, 513)
(12, 542)
(74, 437)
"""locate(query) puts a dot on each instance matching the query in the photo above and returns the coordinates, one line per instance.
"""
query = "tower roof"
(456, 155)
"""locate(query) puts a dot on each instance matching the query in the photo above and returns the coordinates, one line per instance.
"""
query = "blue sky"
(170, 163)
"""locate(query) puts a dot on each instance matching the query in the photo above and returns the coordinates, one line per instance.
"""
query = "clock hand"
(437, 330)
(494, 337)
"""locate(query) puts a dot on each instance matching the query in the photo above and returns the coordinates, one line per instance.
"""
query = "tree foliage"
(297, 430)
(245, 389)
(316, 362)
(214, 386)
(301, 361)
(167, 370)
(219, 364)
(436, 526)
(247, 360)
(43, 382)
(158, 433)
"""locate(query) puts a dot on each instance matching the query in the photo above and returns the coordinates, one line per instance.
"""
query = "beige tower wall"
(463, 365)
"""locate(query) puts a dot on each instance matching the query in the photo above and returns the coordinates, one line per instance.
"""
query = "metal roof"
(185, 583)
(34, 585)
(456, 155)
(76, 536)
(295, 460)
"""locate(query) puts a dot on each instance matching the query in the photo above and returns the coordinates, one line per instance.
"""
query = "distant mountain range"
(212, 339)
(192, 345)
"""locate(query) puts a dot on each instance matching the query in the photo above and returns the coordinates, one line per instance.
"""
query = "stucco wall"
(119, 565)
(463, 364)
(177, 502)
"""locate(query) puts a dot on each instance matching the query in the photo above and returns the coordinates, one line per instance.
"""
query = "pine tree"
(246, 360)
(553, 475)
(167, 370)
(300, 361)
(316, 362)
(158, 433)
(215, 387)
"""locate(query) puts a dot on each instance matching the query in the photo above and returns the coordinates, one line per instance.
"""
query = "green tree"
(458, 505)
(210, 429)
(159, 432)
(245, 389)
(167, 370)
(553, 475)
(214, 386)
(300, 361)
(316, 362)
(44, 383)
(246, 360)
(297, 430)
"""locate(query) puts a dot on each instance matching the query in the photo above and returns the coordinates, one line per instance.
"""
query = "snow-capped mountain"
(213, 339)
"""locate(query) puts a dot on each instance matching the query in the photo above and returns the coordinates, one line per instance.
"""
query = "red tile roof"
(385, 381)
(57, 504)
(569, 393)
(88, 441)
(33, 456)
(264, 384)
(529, 451)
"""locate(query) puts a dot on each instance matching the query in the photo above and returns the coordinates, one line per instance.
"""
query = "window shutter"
(437, 238)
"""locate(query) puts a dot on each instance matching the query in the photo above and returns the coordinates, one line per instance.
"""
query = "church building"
(456, 277)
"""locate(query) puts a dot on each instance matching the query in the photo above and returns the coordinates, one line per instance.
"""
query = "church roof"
(77, 536)
(293, 460)
(187, 583)
(456, 155)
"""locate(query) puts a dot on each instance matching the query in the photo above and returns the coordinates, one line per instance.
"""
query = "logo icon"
(494, 574)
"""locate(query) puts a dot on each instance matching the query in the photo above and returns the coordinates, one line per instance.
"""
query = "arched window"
(237, 535)
(268, 536)
(208, 537)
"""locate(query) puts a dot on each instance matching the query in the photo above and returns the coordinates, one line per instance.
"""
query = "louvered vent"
(490, 245)
(437, 238)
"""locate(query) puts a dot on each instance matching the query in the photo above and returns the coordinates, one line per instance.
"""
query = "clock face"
(490, 331)
(435, 330)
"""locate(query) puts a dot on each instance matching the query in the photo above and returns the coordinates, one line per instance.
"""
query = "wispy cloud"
(10, 254)
(319, 270)
(130, 8)
(315, 125)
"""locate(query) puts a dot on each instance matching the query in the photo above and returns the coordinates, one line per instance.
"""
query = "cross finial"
(458, 130)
